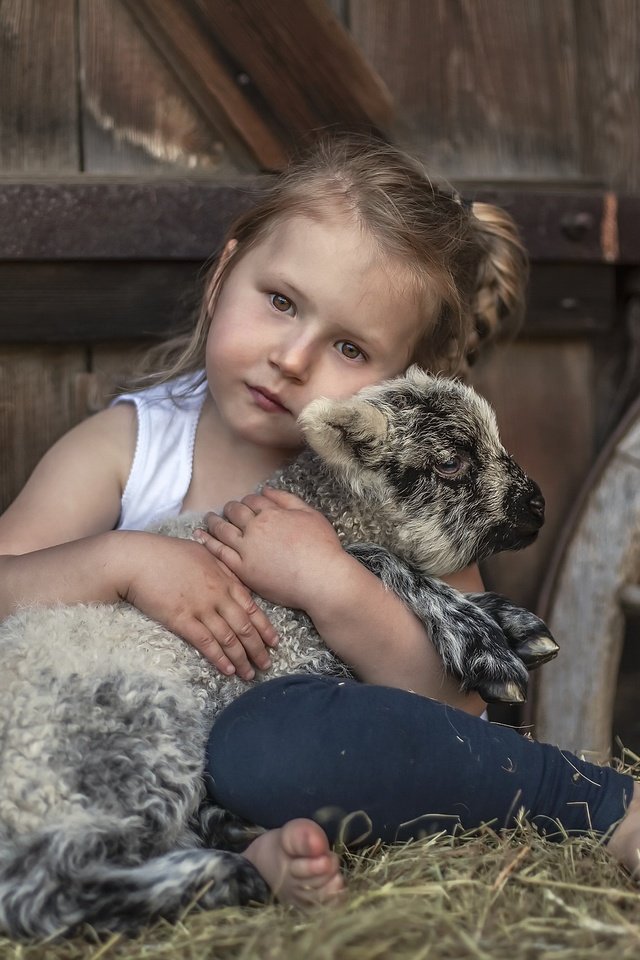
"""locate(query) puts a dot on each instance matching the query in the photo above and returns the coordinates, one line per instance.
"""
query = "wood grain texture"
(36, 407)
(144, 218)
(38, 86)
(608, 38)
(576, 694)
(202, 69)
(112, 365)
(62, 301)
(136, 117)
(302, 63)
(138, 219)
(543, 395)
(89, 302)
(484, 87)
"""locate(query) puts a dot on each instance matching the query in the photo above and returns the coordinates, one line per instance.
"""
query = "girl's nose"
(293, 359)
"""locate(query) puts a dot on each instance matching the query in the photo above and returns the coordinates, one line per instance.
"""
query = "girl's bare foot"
(625, 839)
(297, 863)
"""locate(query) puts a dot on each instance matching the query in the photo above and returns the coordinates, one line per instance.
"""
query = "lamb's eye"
(281, 303)
(450, 467)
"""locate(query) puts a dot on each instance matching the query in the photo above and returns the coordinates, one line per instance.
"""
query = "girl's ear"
(343, 432)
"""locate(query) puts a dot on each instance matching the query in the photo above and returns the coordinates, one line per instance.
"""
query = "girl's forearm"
(81, 571)
(373, 631)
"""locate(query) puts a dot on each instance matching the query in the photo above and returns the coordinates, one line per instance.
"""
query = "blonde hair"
(469, 256)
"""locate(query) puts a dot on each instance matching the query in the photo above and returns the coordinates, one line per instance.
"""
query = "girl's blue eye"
(349, 350)
(281, 303)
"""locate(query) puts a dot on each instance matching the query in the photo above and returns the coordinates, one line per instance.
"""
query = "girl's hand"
(276, 544)
(183, 587)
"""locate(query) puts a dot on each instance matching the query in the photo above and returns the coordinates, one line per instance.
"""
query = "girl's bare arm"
(370, 628)
(57, 545)
(73, 495)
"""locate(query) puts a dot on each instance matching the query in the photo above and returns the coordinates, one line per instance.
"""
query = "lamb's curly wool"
(104, 714)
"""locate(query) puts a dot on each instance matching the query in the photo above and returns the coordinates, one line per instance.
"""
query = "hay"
(478, 896)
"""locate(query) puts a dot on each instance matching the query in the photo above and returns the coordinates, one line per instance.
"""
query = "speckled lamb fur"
(104, 714)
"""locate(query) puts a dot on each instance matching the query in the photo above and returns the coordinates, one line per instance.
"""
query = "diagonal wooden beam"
(270, 71)
(302, 61)
(178, 36)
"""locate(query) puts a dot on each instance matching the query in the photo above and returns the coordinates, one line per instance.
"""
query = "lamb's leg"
(472, 644)
(218, 828)
(114, 847)
(528, 636)
(58, 879)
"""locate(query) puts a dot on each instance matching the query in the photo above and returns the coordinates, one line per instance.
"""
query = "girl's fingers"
(216, 521)
(221, 551)
(257, 617)
(205, 643)
(235, 635)
(244, 642)
(222, 647)
(239, 514)
(284, 499)
(224, 530)
(256, 502)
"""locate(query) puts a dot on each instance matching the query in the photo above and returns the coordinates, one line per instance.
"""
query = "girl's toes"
(304, 839)
(297, 863)
(317, 890)
(335, 888)
(324, 866)
(315, 872)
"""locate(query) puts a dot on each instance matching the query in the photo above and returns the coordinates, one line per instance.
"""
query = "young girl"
(350, 268)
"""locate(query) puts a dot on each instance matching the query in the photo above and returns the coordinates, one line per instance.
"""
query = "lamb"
(104, 714)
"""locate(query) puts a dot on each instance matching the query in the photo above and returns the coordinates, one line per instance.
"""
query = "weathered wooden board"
(205, 74)
(608, 39)
(136, 117)
(271, 72)
(543, 395)
(37, 405)
(575, 695)
(173, 218)
(75, 302)
(138, 219)
(44, 391)
(298, 58)
(38, 84)
(484, 87)
(90, 301)
(111, 366)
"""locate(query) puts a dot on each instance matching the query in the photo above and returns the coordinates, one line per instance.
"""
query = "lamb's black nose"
(536, 505)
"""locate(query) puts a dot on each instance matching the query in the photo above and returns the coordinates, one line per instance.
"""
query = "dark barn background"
(132, 130)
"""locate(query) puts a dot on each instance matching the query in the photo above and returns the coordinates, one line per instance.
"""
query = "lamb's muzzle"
(524, 517)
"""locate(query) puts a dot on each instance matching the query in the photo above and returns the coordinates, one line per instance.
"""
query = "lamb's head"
(427, 450)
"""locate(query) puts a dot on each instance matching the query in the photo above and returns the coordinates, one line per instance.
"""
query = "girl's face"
(314, 310)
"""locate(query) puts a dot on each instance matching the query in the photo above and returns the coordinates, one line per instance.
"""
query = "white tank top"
(162, 465)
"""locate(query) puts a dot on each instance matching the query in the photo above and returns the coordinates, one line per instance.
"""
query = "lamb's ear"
(343, 431)
(419, 377)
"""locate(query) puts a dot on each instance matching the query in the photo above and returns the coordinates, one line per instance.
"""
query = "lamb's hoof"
(537, 650)
(498, 691)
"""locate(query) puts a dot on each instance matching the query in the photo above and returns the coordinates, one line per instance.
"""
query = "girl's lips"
(266, 401)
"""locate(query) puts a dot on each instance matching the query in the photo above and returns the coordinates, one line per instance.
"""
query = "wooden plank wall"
(488, 89)
(541, 91)
(523, 89)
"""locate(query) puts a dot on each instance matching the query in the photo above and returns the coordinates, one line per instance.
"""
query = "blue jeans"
(369, 762)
